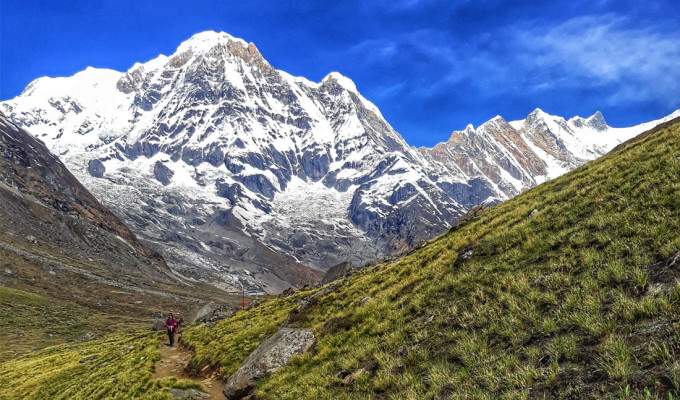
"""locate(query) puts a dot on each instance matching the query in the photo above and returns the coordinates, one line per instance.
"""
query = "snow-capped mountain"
(510, 157)
(238, 172)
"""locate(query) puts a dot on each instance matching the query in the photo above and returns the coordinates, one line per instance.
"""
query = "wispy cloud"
(429, 57)
(587, 52)
(603, 51)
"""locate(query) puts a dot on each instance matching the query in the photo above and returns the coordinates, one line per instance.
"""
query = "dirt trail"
(172, 363)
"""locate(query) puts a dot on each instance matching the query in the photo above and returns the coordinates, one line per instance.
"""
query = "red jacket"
(171, 323)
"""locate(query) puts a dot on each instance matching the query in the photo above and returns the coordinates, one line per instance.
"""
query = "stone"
(533, 214)
(272, 353)
(303, 304)
(337, 272)
(86, 337)
(204, 312)
(159, 325)
(211, 313)
(349, 379)
(87, 359)
(188, 394)
(364, 301)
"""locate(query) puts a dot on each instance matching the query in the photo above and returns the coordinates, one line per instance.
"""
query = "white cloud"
(606, 52)
(601, 51)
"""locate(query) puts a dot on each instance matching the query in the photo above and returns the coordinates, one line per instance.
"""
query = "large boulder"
(204, 312)
(159, 325)
(211, 313)
(188, 394)
(270, 355)
(338, 272)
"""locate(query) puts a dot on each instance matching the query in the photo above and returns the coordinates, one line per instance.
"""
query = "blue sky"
(430, 66)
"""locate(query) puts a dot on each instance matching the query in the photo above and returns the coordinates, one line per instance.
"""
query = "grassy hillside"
(42, 307)
(578, 300)
(118, 367)
(48, 297)
(29, 321)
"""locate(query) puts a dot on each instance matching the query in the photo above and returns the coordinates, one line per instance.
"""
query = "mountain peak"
(211, 44)
(597, 121)
(538, 113)
(341, 80)
(536, 116)
(204, 41)
(459, 136)
(494, 123)
(496, 119)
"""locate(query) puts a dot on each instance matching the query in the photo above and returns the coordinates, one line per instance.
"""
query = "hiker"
(180, 321)
(171, 326)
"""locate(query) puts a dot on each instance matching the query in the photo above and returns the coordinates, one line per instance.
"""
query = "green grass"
(225, 348)
(122, 368)
(30, 321)
(577, 302)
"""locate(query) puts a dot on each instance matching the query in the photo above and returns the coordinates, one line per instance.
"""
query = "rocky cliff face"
(238, 172)
(46, 214)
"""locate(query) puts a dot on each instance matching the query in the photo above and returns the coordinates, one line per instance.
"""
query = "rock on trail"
(270, 355)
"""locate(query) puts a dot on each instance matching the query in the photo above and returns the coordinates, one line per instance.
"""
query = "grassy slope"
(579, 301)
(43, 306)
(29, 321)
(122, 368)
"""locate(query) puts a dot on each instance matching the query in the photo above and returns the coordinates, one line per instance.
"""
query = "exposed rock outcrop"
(211, 313)
(162, 173)
(96, 168)
(473, 214)
(270, 355)
(337, 272)
(188, 394)
(158, 326)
